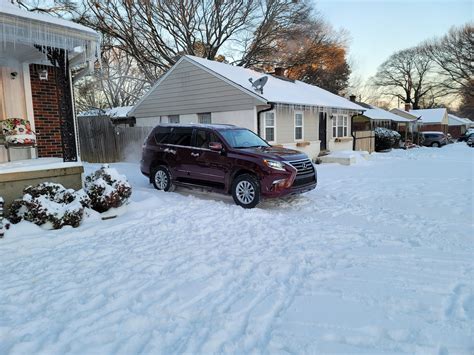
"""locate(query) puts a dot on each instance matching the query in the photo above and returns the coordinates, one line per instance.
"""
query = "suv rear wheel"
(435, 144)
(161, 179)
(246, 191)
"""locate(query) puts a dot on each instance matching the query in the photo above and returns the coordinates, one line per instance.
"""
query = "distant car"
(470, 140)
(434, 139)
(465, 136)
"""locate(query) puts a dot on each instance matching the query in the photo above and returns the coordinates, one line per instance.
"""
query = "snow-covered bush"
(386, 139)
(51, 205)
(106, 188)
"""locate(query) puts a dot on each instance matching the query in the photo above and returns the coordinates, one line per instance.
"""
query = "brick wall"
(46, 112)
(456, 131)
(434, 127)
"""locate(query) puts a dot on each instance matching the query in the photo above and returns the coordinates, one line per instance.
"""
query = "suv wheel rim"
(245, 192)
(161, 180)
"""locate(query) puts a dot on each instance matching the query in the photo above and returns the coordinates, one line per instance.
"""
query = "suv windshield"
(243, 138)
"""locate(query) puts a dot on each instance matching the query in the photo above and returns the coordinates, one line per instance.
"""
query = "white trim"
(274, 126)
(295, 126)
(30, 115)
(334, 124)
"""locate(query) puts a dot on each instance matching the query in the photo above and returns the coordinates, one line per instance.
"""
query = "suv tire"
(246, 191)
(161, 179)
(436, 144)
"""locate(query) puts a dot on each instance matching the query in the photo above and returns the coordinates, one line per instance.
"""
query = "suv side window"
(162, 135)
(181, 136)
(204, 137)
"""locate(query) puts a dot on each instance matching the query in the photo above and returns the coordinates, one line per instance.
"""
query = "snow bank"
(378, 259)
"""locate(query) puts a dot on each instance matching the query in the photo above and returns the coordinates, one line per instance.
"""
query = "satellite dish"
(259, 83)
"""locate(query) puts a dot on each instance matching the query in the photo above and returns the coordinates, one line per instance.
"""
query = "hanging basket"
(17, 131)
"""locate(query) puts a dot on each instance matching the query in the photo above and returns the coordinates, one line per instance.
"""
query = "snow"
(7, 8)
(114, 112)
(458, 121)
(433, 115)
(377, 259)
(277, 90)
(26, 165)
(376, 113)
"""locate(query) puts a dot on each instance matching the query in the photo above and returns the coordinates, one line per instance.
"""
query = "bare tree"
(454, 55)
(407, 75)
(156, 33)
(118, 83)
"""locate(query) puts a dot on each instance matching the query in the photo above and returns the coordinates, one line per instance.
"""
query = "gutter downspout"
(352, 126)
(272, 106)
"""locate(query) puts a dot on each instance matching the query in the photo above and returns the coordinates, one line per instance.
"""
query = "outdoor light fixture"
(13, 75)
(43, 74)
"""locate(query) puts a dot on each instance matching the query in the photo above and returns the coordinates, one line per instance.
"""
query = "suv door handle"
(195, 154)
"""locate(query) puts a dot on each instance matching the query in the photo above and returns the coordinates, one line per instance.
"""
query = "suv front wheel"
(246, 191)
(161, 179)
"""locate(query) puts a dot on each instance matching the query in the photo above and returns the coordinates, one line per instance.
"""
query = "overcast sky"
(379, 28)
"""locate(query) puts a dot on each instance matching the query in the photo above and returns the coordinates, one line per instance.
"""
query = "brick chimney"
(352, 98)
(407, 106)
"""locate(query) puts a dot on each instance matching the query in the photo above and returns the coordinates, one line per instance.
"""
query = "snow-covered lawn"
(378, 259)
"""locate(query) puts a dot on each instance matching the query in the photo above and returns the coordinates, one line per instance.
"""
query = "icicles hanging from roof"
(21, 27)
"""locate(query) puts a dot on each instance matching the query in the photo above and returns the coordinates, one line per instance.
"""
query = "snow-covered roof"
(376, 113)
(432, 115)
(458, 121)
(114, 112)
(276, 90)
(20, 26)
(403, 113)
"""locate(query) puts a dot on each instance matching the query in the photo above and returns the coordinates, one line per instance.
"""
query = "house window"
(298, 125)
(173, 118)
(339, 126)
(204, 118)
(269, 126)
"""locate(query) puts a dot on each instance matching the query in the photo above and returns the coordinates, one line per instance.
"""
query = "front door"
(323, 130)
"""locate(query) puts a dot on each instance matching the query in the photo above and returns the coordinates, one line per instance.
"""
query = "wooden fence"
(102, 142)
(365, 140)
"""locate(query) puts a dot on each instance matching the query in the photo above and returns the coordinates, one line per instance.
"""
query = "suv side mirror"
(215, 146)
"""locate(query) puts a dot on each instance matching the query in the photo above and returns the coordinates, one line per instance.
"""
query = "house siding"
(189, 89)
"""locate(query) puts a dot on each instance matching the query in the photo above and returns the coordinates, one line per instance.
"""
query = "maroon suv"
(227, 159)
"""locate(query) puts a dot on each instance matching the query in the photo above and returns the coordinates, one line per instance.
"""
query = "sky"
(379, 28)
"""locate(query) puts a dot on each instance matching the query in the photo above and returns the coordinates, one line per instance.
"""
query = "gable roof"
(402, 113)
(432, 115)
(458, 121)
(376, 113)
(275, 91)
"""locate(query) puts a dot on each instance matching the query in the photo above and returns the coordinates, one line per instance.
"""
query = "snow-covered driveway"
(378, 259)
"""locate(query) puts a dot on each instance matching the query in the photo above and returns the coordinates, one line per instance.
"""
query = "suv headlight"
(274, 164)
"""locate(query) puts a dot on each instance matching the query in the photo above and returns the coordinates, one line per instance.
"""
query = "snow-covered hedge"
(386, 139)
(106, 188)
(50, 205)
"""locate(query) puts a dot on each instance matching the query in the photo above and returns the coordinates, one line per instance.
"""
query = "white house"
(37, 53)
(285, 112)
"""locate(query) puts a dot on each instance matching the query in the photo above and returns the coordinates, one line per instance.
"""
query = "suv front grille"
(303, 166)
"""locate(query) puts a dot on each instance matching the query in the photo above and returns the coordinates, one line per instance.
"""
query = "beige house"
(284, 112)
